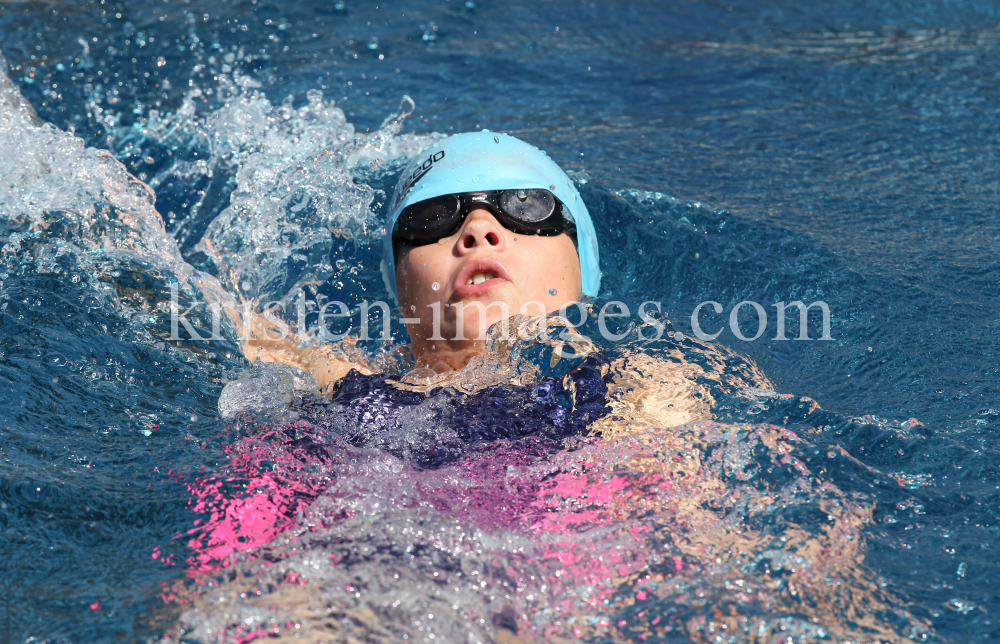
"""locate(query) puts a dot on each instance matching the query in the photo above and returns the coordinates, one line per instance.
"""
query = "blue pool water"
(728, 151)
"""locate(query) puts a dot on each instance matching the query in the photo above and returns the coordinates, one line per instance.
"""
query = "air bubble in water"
(341, 263)
(160, 61)
(435, 286)
(678, 336)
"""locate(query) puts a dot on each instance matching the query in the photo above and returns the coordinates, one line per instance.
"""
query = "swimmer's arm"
(266, 341)
(322, 363)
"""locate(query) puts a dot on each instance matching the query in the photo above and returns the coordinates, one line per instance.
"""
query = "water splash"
(258, 193)
(269, 189)
(52, 180)
(295, 193)
(265, 388)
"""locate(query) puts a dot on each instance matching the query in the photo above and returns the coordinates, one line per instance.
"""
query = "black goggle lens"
(432, 215)
(527, 206)
(523, 210)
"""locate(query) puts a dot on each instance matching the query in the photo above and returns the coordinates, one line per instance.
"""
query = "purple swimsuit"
(437, 427)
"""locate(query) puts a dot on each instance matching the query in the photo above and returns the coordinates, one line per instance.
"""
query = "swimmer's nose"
(481, 230)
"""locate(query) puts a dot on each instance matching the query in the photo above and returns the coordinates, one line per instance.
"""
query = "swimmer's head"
(484, 217)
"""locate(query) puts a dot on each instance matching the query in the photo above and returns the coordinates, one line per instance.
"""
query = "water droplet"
(425, 267)
(160, 61)
(961, 605)
(552, 291)
(412, 308)
(194, 418)
(56, 359)
(495, 139)
(435, 286)
(552, 187)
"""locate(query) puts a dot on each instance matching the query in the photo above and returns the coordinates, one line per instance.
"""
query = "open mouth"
(479, 276)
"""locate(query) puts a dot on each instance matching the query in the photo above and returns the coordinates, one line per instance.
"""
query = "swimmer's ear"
(571, 231)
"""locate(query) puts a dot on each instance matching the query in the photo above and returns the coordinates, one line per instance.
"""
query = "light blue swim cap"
(481, 161)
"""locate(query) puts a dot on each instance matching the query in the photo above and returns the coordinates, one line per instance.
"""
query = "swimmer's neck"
(445, 355)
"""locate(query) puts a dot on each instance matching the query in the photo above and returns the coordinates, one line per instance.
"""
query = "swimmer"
(498, 468)
(483, 226)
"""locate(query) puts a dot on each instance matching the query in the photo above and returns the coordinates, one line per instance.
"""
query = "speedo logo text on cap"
(417, 175)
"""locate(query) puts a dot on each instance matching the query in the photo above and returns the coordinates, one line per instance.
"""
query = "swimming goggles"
(530, 211)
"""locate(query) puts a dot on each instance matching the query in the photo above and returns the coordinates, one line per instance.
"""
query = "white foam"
(265, 388)
(50, 175)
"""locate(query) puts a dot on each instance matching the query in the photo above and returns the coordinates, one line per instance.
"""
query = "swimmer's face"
(487, 264)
